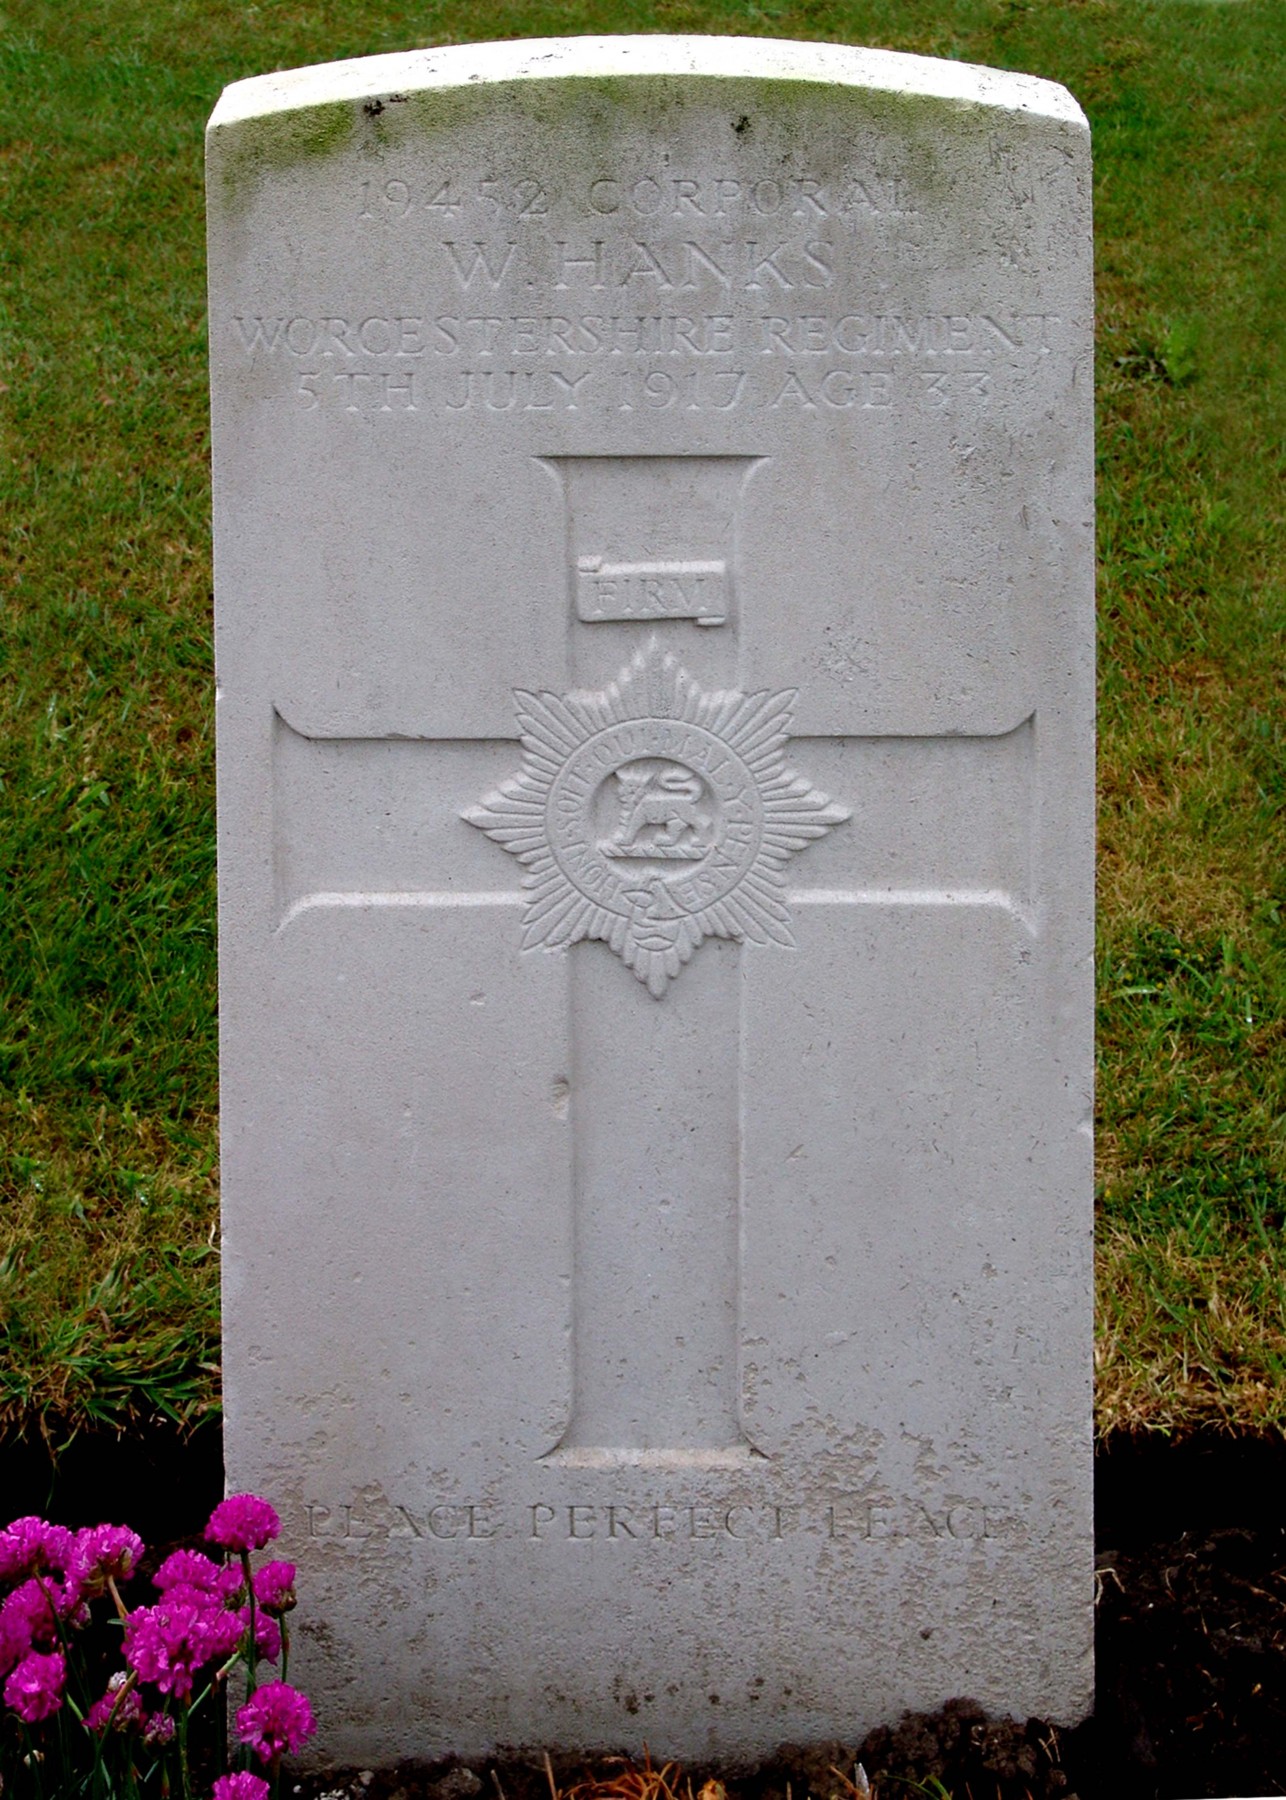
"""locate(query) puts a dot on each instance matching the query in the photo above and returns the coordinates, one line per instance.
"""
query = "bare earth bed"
(1191, 1646)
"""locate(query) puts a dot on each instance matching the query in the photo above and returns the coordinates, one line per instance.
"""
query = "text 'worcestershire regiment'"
(623, 362)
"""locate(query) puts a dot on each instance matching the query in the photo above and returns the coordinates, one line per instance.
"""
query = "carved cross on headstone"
(653, 814)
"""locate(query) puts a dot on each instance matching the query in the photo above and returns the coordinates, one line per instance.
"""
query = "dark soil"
(1191, 1639)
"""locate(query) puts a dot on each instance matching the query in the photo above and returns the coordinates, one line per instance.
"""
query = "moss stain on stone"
(244, 155)
(811, 122)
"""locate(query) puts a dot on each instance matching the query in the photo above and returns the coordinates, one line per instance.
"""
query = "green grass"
(108, 1176)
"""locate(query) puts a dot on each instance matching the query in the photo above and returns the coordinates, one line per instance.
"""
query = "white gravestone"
(653, 534)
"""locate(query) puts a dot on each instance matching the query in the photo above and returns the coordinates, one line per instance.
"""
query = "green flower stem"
(64, 1756)
(61, 1635)
(33, 1761)
(185, 1774)
(252, 1649)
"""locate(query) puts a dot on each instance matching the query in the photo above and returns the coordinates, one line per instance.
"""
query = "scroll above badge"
(653, 537)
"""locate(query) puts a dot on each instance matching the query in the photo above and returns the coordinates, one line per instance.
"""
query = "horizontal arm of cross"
(376, 822)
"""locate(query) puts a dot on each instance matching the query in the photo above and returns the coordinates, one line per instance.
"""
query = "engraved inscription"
(651, 590)
(724, 197)
(871, 1517)
(652, 537)
(775, 290)
(652, 815)
(885, 336)
(575, 361)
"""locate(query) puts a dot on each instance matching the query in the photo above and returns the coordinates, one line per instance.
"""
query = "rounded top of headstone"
(729, 58)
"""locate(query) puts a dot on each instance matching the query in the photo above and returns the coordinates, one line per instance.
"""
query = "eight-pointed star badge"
(654, 814)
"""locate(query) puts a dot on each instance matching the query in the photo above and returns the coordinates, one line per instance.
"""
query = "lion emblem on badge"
(661, 814)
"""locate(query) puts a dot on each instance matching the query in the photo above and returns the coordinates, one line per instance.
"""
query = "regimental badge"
(653, 814)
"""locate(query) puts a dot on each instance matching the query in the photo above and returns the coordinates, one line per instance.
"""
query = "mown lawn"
(108, 1170)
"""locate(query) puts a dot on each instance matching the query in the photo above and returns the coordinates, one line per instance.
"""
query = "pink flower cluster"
(274, 1587)
(276, 1721)
(203, 1617)
(243, 1522)
(120, 1707)
(201, 1624)
(102, 1554)
(32, 1546)
(169, 1644)
(53, 1572)
(241, 1786)
(34, 1688)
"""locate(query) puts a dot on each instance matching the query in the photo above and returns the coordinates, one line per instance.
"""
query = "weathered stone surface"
(654, 583)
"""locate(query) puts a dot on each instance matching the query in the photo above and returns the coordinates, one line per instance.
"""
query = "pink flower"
(102, 1553)
(168, 1643)
(35, 1688)
(15, 1641)
(189, 1569)
(267, 1634)
(119, 1708)
(241, 1786)
(159, 1729)
(29, 1615)
(274, 1587)
(195, 1577)
(31, 1544)
(232, 1583)
(197, 1598)
(277, 1718)
(243, 1522)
